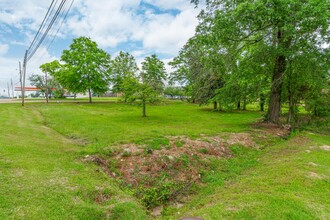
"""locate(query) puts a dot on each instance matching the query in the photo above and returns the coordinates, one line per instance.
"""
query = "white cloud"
(170, 4)
(9, 67)
(115, 22)
(139, 30)
(167, 33)
(21, 13)
(8, 70)
(107, 23)
(3, 49)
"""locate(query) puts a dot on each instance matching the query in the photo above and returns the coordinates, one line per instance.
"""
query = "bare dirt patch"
(314, 175)
(243, 139)
(162, 173)
(325, 147)
(162, 170)
(177, 160)
(312, 164)
(273, 129)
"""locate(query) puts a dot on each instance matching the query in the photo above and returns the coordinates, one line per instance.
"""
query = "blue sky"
(141, 27)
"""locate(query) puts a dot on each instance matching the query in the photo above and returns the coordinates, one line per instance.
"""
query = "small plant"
(107, 151)
(148, 151)
(179, 143)
(184, 159)
(168, 147)
(158, 143)
(159, 194)
(127, 153)
(203, 150)
(205, 140)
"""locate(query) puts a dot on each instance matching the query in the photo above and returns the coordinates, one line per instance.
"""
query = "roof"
(27, 88)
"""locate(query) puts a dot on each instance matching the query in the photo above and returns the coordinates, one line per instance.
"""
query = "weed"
(158, 143)
(126, 153)
(179, 143)
(159, 194)
(203, 151)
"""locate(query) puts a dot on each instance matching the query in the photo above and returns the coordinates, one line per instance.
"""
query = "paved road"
(9, 100)
(19, 100)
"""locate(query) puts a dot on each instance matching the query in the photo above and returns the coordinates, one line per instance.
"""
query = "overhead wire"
(42, 24)
(57, 26)
(31, 54)
(58, 30)
(47, 22)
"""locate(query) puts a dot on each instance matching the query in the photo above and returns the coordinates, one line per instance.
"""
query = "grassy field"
(43, 174)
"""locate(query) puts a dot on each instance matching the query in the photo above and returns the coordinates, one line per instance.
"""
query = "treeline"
(274, 52)
(267, 51)
(86, 68)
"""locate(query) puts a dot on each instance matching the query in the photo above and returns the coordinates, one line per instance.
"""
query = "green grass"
(43, 174)
(289, 180)
(106, 124)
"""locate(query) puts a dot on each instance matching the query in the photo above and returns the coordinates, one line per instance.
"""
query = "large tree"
(280, 29)
(86, 68)
(199, 70)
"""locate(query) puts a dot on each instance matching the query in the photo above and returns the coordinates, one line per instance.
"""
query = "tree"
(86, 68)
(123, 67)
(174, 92)
(40, 82)
(49, 87)
(50, 69)
(312, 86)
(148, 85)
(281, 30)
(199, 70)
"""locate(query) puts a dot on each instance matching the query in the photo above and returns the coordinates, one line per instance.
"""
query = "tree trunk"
(291, 109)
(90, 95)
(144, 110)
(244, 103)
(215, 105)
(262, 102)
(238, 105)
(274, 109)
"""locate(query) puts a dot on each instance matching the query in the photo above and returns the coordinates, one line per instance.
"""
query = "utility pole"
(24, 73)
(21, 78)
(8, 90)
(46, 91)
(12, 87)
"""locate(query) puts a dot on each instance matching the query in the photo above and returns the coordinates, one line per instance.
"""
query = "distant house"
(29, 91)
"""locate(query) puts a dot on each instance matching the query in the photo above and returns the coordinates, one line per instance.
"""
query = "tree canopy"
(86, 67)
(262, 42)
(123, 67)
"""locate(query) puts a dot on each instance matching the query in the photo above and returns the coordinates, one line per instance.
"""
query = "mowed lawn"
(43, 174)
(103, 124)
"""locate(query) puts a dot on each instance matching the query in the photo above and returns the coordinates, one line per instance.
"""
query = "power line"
(47, 30)
(42, 24)
(48, 41)
(66, 15)
(29, 53)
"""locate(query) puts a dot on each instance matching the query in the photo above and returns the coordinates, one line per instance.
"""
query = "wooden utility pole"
(20, 78)
(46, 91)
(8, 90)
(12, 87)
(24, 73)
